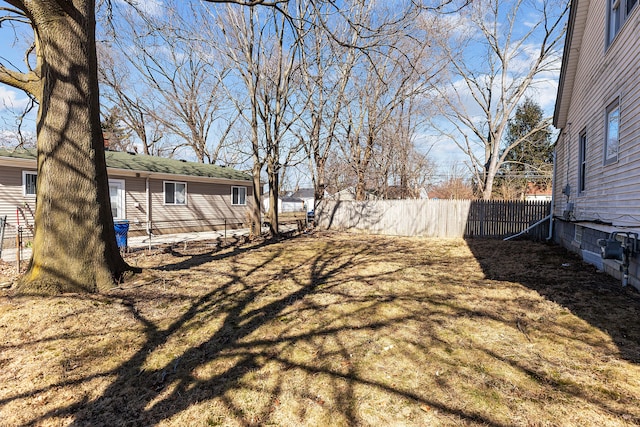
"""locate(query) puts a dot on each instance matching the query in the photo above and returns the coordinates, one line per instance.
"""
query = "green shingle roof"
(142, 163)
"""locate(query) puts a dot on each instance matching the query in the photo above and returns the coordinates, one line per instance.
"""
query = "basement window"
(577, 237)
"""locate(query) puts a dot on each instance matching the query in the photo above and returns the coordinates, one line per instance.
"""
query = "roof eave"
(573, 40)
(173, 176)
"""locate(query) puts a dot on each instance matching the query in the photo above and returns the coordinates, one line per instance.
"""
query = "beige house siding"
(603, 75)
(208, 201)
(13, 203)
(135, 202)
(208, 206)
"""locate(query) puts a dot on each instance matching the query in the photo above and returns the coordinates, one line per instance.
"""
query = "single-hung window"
(617, 13)
(582, 161)
(238, 195)
(175, 193)
(29, 183)
(612, 141)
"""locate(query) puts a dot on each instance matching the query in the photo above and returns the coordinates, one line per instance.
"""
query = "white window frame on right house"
(238, 196)
(612, 133)
(582, 161)
(617, 13)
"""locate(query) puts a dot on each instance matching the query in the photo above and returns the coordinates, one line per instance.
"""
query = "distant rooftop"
(304, 193)
(142, 163)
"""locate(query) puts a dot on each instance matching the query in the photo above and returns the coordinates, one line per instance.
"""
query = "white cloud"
(441, 150)
(153, 8)
(11, 99)
(543, 91)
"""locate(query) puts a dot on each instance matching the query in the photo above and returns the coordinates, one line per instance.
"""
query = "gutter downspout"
(531, 227)
(553, 197)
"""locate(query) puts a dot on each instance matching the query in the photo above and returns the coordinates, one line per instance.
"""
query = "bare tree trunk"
(74, 247)
(256, 211)
(274, 186)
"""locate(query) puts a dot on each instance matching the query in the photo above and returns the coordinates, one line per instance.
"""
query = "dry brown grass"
(331, 329)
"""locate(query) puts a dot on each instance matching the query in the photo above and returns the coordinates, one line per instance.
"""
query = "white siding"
(612, 192)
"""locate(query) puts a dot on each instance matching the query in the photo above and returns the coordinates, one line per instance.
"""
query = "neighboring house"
(350, 194)
(536, 192)
(153, 193)
(285, 204)
(597, 177)
(307, 195)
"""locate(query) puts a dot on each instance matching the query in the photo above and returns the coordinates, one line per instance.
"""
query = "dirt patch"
(330, 329)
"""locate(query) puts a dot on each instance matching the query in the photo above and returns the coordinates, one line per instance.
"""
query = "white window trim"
(582, 161)
(622, 17)
(164, 193)
(24, 183)
(121, 196)
(245, 195)
(615, 105)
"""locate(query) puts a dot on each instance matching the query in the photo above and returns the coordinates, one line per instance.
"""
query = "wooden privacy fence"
(500, 218)
(435, 218)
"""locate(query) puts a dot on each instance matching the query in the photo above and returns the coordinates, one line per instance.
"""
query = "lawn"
(330, 329)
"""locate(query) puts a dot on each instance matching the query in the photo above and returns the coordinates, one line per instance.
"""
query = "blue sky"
(444, 153)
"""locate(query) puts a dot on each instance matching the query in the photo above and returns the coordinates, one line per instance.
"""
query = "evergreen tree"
(530, 162)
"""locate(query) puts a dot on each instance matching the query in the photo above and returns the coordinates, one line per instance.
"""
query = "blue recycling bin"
(122, 231)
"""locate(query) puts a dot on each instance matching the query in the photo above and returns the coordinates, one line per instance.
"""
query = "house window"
(116, 197)
(238, 195)
(175, 193)
(617, 13)
(582, 161)
(612, 141)
(29, 183)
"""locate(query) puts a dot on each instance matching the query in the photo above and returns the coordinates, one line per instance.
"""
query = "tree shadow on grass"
(562, 277)
(346, 325)
(247, 298)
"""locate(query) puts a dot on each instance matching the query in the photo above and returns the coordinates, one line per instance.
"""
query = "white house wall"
(603, 75)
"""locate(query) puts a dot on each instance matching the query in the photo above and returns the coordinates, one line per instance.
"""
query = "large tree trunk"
(74, 248)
